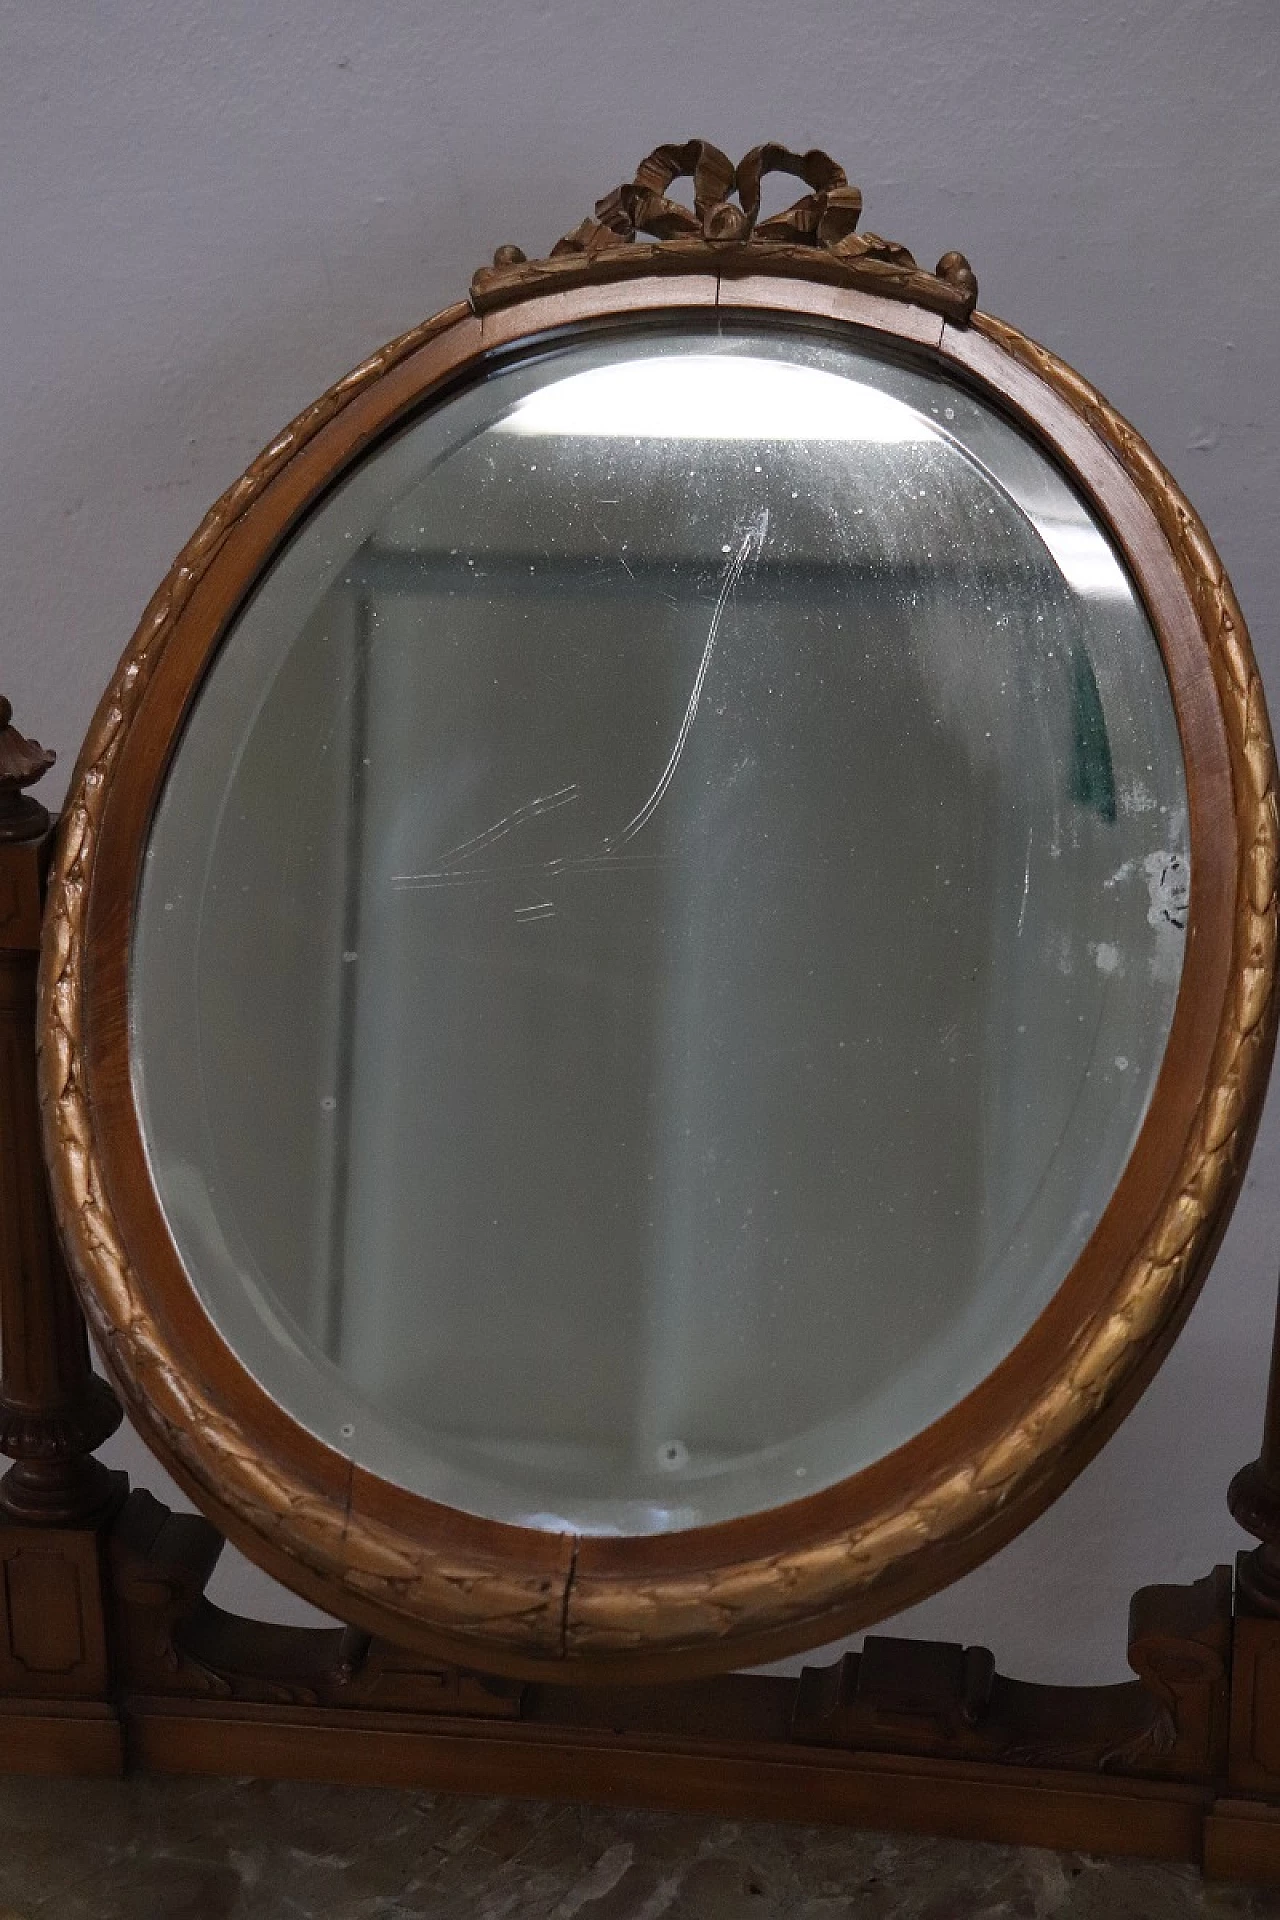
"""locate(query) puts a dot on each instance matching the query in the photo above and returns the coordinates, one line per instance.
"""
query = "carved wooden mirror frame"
(507, 1599)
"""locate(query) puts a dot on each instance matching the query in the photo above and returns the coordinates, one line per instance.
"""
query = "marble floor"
(191, 1849)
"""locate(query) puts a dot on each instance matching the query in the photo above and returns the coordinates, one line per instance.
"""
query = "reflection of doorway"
(269, 1022)
(667, 1162)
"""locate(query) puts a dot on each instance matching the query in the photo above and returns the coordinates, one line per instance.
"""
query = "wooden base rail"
(112, 1657)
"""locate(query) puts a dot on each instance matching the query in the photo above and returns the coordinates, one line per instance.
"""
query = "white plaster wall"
(210, 210)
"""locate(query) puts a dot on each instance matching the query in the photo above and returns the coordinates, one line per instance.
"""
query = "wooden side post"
(56, 1500)
(1242, 1832)
(1254, 1500)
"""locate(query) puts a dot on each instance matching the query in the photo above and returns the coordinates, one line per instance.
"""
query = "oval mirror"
(652, 1020)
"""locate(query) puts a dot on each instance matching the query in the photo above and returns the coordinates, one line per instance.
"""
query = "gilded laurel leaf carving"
(475, 1597)
(1155, 1283)
(159, 1394)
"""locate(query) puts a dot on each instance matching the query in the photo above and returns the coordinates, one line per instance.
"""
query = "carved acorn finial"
(956, 271)
(22, 763)
(509, 256)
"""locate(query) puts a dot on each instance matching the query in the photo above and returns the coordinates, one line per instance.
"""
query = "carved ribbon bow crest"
(816, 237)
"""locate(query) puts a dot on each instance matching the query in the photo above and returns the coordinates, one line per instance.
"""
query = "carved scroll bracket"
(814, 238)
(172, 1640)
(930, 1698)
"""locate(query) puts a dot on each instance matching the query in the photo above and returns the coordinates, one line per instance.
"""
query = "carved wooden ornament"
(814, 239)
(505, 1598)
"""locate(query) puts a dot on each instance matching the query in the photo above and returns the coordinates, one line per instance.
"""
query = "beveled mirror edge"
(360, 1550)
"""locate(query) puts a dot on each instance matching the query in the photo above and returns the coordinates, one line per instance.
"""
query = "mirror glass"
(661, 926)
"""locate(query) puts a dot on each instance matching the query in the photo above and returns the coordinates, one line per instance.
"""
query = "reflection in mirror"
(662, 928)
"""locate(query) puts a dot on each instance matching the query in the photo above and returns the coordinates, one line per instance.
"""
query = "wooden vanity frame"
(109, 1652)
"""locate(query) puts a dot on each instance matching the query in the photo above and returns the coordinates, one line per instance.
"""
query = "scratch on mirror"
(455, 868)
(480, 842)
(749, 547)
(523, 869)
(1026, 882)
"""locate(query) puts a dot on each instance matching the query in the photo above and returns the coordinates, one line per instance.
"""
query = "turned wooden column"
(1254, 1500)
(1253, 1766)
(54, 1410)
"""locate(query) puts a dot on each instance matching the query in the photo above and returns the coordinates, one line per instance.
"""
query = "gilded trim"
(472, 1595)
(613, 1616)
(479, 1599)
